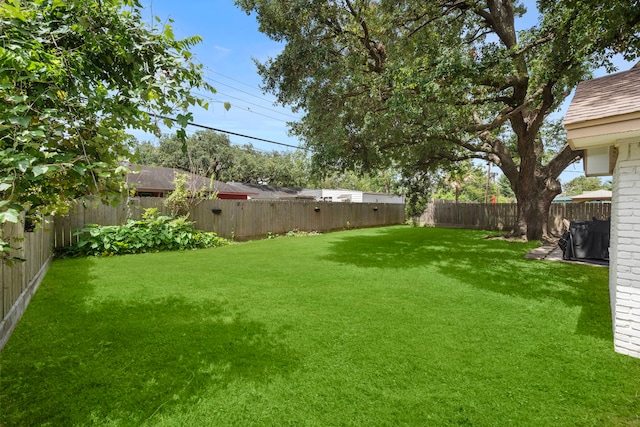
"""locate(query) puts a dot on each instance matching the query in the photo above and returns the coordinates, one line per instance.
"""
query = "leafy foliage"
(467, 182)
(153, 233)
(182, 199)
(581, 184)
(417, 187)
(504, 186)
(211, 154)
(74, 76)
(421, 85)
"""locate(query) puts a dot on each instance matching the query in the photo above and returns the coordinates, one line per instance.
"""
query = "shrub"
(153, 233)
(184, 198)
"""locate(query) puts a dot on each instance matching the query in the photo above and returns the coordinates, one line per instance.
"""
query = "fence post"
(20, 280)
(502, 216)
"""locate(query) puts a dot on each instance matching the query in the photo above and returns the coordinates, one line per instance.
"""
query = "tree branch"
(561, 160)
(376, 50)
(505, 114)
(530, 46)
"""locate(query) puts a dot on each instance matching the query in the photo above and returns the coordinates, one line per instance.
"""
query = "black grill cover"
(586, 240)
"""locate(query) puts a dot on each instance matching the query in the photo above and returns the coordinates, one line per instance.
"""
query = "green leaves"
(11, 8)
(184, 119)
(423, 85)
(9, 213)
(210, 154)
(153, 233)
(22, 121)
(75, 76)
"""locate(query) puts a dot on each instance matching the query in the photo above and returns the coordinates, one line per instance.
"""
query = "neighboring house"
(562, 199)
(381, 198)
(353, 196)
(269, 192)
(325, 195)
(603, 196)
(155, 181)
(604, 120)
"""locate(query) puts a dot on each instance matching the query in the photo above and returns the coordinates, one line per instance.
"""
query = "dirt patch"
(549, 241)
(506, 237)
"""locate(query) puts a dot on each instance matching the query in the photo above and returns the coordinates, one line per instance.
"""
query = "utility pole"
(486, 190)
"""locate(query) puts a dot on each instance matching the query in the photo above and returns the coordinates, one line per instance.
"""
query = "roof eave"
(602, 132)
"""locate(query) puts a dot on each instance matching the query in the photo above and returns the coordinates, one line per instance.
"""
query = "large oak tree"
(421, 84)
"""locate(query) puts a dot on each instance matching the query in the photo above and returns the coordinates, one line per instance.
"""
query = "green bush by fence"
(240, 220)
(244, 220)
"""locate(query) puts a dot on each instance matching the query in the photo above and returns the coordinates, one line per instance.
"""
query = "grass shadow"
(123, 362)
(494, 265)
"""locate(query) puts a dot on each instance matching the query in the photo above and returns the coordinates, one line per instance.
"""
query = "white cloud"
(222, 50)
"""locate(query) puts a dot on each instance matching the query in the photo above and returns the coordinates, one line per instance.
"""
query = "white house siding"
(353, 196)
(317, 194)
(624, 274)
(381, 198)
(334, 195)
(342, 196)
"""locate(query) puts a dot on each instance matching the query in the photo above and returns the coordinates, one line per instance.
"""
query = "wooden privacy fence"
(240, 220)
(20, 280)
(502, 216)
(243, 220)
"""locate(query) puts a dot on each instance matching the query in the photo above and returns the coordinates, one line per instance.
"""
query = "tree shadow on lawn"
(126, 361)
(495, 265)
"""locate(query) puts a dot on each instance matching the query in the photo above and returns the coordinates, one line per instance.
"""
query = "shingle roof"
(593, 195)
(155, 178)
(608, 96)
(261, 191)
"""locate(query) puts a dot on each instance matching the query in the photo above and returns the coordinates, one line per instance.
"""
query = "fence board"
(241, 220)
(244, 220)
(20, 280)
(502, 216)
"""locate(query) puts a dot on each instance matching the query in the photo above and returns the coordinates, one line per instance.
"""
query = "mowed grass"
(377, 327)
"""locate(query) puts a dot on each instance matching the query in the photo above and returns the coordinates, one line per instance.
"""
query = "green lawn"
(377, 327)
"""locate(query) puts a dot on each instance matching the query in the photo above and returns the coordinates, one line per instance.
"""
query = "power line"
(242, 107)
(231, 78)
(235, 88)
(257, 105)
(230, 133)
(193, 132)
(247, 93)
(249, 110)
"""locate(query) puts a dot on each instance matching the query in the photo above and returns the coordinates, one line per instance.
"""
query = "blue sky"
(230, 40)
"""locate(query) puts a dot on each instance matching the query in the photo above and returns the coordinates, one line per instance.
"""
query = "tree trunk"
(534, 203)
